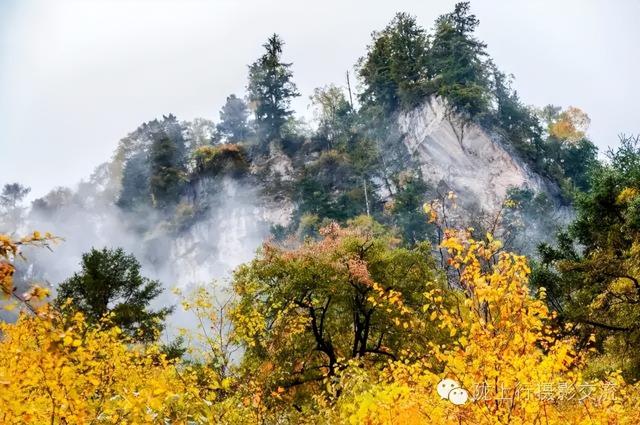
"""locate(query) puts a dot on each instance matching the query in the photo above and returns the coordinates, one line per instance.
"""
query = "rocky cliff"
(464, 157)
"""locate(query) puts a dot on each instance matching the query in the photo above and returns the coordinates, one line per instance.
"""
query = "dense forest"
(384, 297)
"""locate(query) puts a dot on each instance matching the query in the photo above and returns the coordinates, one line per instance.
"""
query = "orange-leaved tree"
(303, 314)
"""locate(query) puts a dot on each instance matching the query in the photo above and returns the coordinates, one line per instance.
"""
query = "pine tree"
(166, 157)
(271, 89)
(395, 71)
(135, 182)
(380, 88)
(110, 282)
(233, 120)
(458, 61)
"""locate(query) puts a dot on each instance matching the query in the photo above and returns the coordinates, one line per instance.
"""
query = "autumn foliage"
(490, 334)
(56, 368)
(503, 352)
(9, 251)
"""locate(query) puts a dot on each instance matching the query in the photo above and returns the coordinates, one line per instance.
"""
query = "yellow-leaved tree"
(58, 369)
(570, 125)
(9, 251)
(504, 355)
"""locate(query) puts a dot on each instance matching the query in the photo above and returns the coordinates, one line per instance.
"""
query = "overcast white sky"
(78, 75)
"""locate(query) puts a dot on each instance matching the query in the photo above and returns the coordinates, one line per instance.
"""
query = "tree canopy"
(110, 284)
(314, 308)
(271, 89)
(592, 271)
(234, 120)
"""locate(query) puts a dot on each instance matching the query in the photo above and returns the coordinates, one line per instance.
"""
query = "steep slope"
(221, 219)
(464, 157)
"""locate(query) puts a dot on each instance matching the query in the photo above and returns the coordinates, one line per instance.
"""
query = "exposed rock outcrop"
(466, 158)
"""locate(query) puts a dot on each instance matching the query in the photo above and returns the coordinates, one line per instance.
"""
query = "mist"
(229, 233)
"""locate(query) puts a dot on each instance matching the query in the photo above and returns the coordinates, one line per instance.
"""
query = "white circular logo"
(451, 390)
(458, 396)
(445, 386)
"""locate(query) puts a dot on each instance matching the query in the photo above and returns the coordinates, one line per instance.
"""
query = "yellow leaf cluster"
(9, 249)
(505, 355)
(571, 125)
(55, 370)
(626, 195)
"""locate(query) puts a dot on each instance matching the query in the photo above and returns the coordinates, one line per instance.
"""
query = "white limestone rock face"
(237, 222)
(470, 161)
